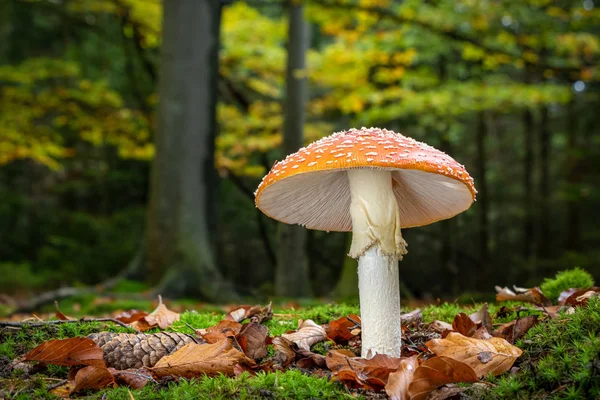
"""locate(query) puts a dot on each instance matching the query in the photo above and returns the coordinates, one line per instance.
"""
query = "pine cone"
(128, 350)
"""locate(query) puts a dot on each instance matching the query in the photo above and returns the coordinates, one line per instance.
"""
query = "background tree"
(179, 244)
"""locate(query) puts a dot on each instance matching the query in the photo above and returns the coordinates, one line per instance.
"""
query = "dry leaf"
(253, 340)
(516, 329)
(67, 352)
(343, 329)
(284, 354)
(220, 331)
(533, 295)
(161, 317)
(358, 372)
(467, 350)
(128, 317)
(581, 296)
(398, 381)
(133, 378)
(440, 326)
(93, 377)
(464, 325)
(193, 360)
(59, 315)
(64, 390)
(308, 333)
(256, 314)
(438, 371)
(483, 318)
(414, 316)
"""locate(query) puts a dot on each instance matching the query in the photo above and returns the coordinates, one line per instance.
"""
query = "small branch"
(9, 324)
(57, 384)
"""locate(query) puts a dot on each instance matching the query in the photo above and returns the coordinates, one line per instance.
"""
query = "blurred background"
(133, 134)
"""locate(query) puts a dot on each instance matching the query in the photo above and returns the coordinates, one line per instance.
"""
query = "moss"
(572, 278)
(561, 359)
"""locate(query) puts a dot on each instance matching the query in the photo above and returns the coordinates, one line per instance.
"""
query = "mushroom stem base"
(379, 287)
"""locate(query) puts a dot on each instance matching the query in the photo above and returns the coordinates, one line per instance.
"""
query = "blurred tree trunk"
(545, 142)
(292, 277)
(482, 187)
(347, 286)
(573, 180)
(180, 252)
(529, 246)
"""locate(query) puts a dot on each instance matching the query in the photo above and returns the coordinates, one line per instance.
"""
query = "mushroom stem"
(378, 244)
(379, 290)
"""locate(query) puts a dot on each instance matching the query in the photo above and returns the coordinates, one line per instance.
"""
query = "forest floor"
(284, 352)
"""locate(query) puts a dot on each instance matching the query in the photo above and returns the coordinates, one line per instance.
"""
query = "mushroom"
(372, 182)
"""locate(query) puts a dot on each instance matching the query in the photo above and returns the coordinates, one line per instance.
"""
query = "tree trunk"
(292, 277)
(346, 288)
(529, 247)
(482, 195)
(180, 252)
(545, 141)
(573, 180)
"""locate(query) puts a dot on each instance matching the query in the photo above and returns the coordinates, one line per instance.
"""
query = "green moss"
(572, 278)
(561, 359)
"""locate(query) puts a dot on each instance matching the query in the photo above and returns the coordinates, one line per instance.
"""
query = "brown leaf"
(483, 318)
(440, 326)
(398, 381)
(93, 377)
(464, 325)
(67, 352)
(220, 331)
(133, 378)
(64, 391)
(467, 350)
(59, 315)
(256, 314)
(161, 317)
(516, 329)
(438, 371)
(341, 329)
(253, 340)
(533, 295)
(581, 296)
(284, 354)
(358, 372)
(193, 360)
(308, 333)
(128, 317)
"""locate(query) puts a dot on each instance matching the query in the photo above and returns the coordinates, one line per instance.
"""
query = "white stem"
(379, 288)
(378, 244)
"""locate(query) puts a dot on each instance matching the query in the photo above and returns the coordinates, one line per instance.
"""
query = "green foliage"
(572, 278)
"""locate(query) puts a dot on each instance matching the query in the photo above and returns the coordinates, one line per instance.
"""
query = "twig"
(58, 322)
(57, 384)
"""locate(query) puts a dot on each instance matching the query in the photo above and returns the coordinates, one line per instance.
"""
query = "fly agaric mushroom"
(371, 182)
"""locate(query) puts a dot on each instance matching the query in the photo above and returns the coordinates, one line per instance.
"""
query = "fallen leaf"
(161, 317)
(398, 381)
(128, 317)
(464, 325)
(533, 295)
(284, 354)
(59, 315)
(67, 352)
(133, 378)
(220, 331)
(252, 339)
(308, 359)
(357, 372)
(581, 296)
(440, 326)
(341, 329)
(438, 371)
(64, 391)
(308, 333)
(483, 318)
(516, 329)
(414, 316)
(93, 377)
(256, 314)
(467, 350)
(193, 360)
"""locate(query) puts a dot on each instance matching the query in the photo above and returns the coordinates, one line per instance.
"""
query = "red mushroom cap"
(310, 187)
